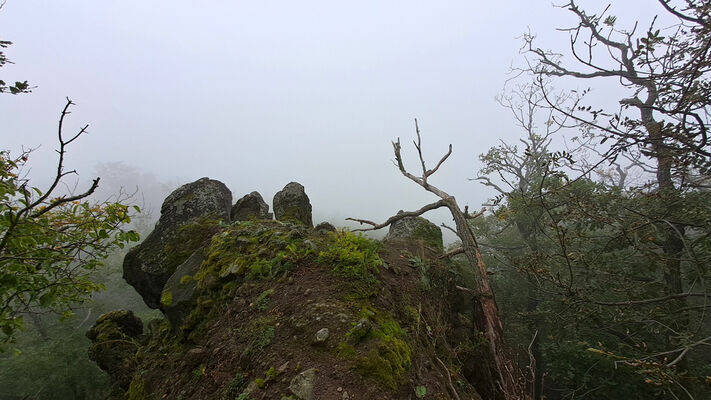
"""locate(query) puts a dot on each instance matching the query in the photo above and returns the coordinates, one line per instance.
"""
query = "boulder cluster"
(187, 221)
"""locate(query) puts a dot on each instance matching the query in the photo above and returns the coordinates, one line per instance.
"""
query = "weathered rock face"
(292, 204)
(250, 206)
(178, 294)
(188, 218)
(113, 349)
(416, 228)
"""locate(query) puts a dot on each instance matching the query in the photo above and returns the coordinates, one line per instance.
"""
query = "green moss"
(258, 334)
(260, 382)
(187, 239)
(346, 350)
(295, 214)
(388, 362)
(256, 250)
(234, 389)
(262, 300)
(429, 233)
(351, 256)
(137, 389)
(388, 356)
(185, 280)
(166, 298)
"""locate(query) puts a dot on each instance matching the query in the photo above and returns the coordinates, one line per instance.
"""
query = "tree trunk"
(493, 329)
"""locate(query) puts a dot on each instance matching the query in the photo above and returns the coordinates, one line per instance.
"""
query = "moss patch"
(383, 353)
(166, 298)
(429, 233)
(352, 256)
(187, 239)
(258, 335)
(137, 389)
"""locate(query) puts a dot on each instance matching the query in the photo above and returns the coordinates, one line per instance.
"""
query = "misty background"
(258, 94)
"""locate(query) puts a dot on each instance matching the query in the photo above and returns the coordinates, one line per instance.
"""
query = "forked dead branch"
(510, 378)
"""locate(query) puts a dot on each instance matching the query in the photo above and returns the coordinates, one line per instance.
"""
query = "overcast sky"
(257, 94)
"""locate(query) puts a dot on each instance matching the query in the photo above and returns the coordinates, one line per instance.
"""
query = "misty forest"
(558, 248)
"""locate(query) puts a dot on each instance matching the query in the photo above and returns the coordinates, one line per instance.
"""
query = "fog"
(258, 94)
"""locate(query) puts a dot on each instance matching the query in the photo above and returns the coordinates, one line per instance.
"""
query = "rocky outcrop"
(266, 309)
(250, 206)
(114, 338)
(292, 204)
(416, 228)
(188, 218)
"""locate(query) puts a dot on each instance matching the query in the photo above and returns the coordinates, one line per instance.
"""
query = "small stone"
(345, 396)
(251, 388)
(321, 336)
(307, 292)
(282, 368)
(340, 389)
(194, 356)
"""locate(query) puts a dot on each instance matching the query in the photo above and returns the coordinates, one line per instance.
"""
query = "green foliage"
(137, 389)
(17, 87)
(351, 255)
(258, 334)
(51, 362)
(382, 353)
(50, 244)
(234, 389)
(420, 392)
(429, 233)
(587, 253)
(262, 300)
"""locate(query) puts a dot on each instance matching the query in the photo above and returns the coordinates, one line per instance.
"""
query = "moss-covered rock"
(115, 340)
(188, 219)
(416, 228)
(178, 294)
(292, 204)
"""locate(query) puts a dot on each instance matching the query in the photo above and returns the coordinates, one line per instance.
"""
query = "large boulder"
(292, 204)
(250, 206)
(114, 337)
(189, 217)
(416, 228)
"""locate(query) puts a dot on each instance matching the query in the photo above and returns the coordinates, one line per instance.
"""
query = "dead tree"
(511, 380)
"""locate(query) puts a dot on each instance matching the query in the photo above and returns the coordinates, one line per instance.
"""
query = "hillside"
(258, 308)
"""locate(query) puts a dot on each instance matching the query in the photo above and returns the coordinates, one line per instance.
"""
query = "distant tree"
(51, 241)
